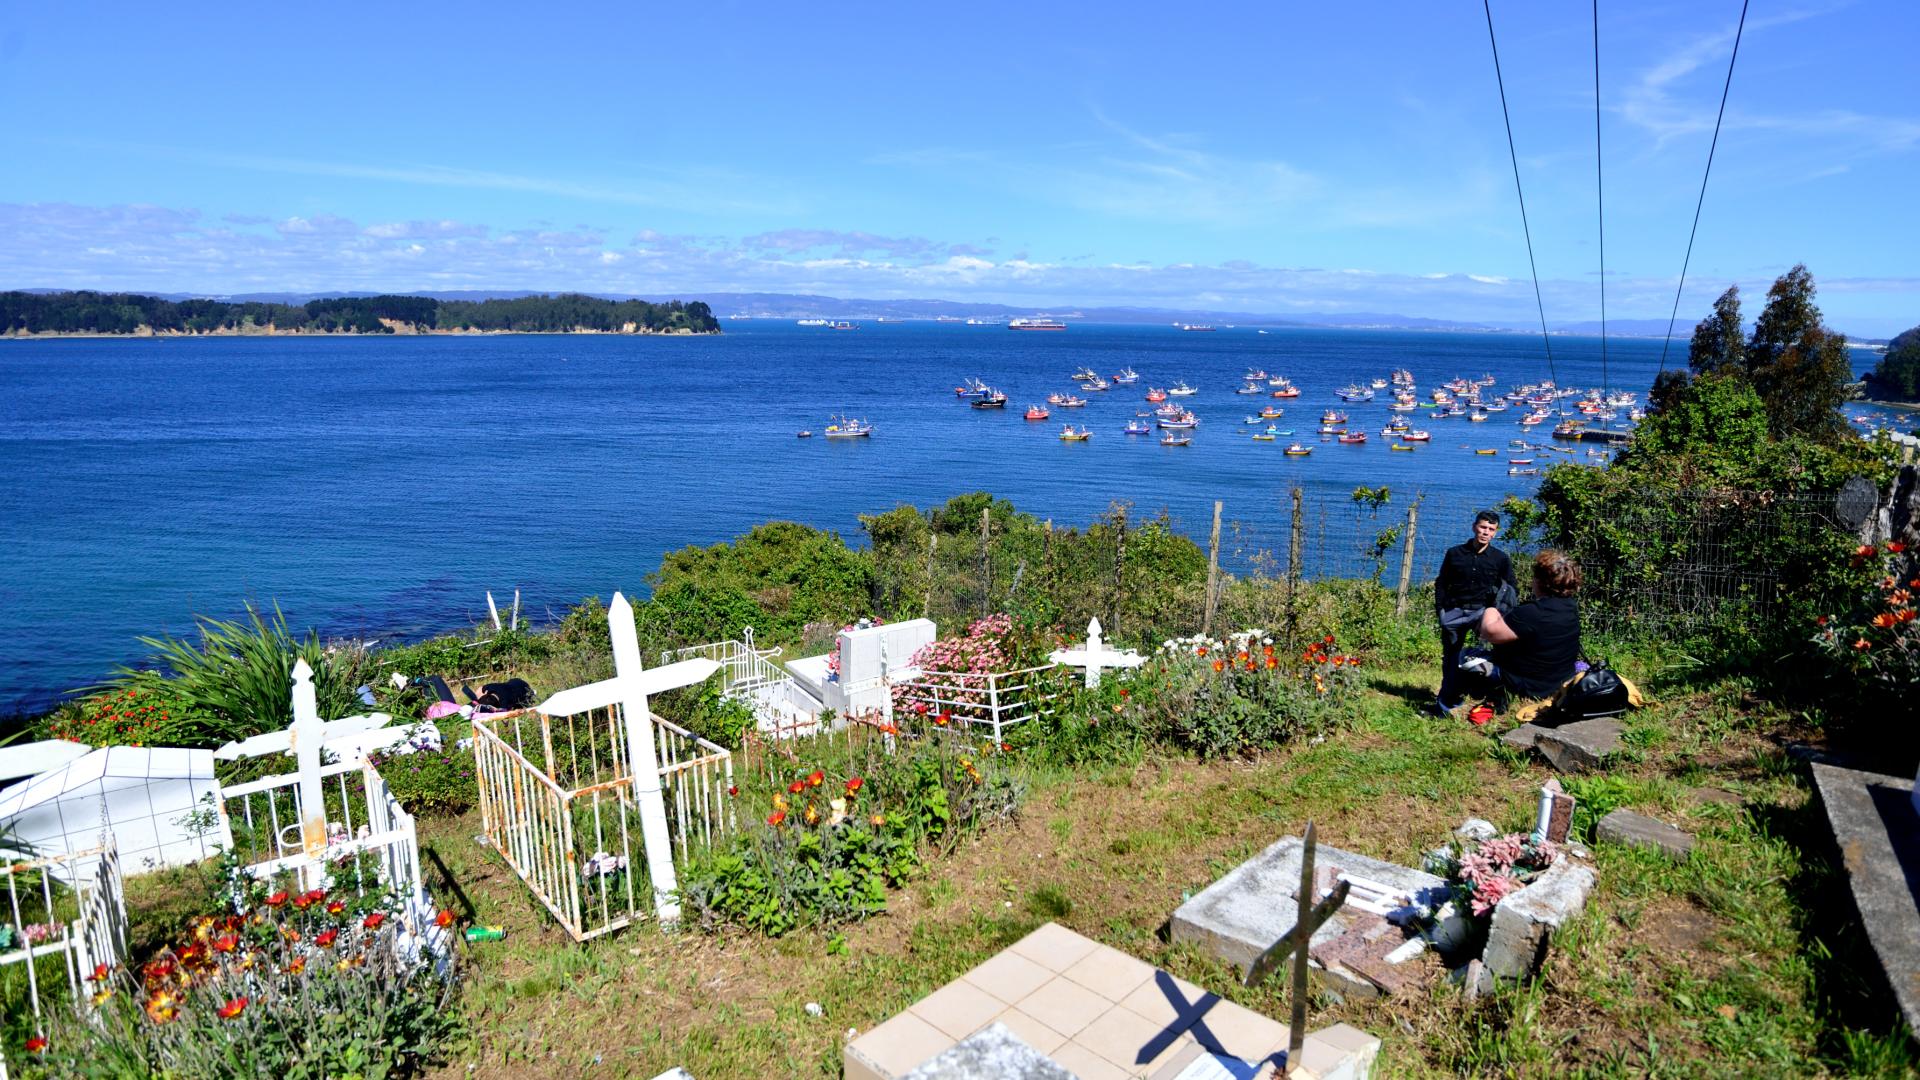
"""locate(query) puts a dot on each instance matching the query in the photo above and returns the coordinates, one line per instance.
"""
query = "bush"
(299, 986)
(236, 681)
(430, 781)
(1240, 696)
(830, 847)
(1873, 641)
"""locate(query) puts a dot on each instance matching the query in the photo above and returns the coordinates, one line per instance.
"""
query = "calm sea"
(376, 487)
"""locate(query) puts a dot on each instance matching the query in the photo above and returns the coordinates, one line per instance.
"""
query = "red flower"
(1328, 639)
(100, 972)
(226, 943)
(941, 720)
(1272, 662)
(816, 778)
(733, 789)
(315, 896)
(326, 937)
(1201, 651)
(920, 707)
(855, 784)
(277, 898)
(37, 1044)
(1006, 748)
(1126, 693)
(1884, 620)
(336, 907)
(1863, 645)
(373, 921)
(1219, 665)
(233, 1008)
(444, 919)
(796, 787)
(1821, 621)
(1864, 551)
(777, 817)
(1896, 546)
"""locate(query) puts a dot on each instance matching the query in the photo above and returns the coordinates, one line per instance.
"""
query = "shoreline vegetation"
(33, 316)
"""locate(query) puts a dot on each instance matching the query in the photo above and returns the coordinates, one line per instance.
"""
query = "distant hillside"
(28, 313)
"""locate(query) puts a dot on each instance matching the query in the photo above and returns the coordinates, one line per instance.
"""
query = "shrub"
(1875, 640)
(430, 781)
(299, 986)
(829, 848)
(1240, 696)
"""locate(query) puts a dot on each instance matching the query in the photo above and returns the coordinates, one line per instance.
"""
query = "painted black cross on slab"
(1295, 942)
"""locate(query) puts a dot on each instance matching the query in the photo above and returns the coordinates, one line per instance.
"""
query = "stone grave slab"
(1239, 916)
(1524, 922)
(1877, 829)
(1581, 746)
(1094, 1013)
(1639, 830)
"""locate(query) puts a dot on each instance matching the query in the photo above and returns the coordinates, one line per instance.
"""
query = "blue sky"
(1273, 157)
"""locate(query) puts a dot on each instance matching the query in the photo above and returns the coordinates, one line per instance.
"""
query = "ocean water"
(376, 487)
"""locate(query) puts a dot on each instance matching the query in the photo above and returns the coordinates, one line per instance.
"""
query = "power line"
(1711, 147)
(1514, 156)
(1600, 193)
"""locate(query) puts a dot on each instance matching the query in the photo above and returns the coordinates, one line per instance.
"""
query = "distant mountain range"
(734, 305)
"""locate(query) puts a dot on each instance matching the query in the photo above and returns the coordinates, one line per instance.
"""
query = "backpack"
(1594, 693)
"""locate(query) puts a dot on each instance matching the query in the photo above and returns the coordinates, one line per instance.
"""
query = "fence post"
(926, 601)
(986, 561)
(1213, 572)
(304, 738)
(1406, 559)
(1120, 566)
(1294, 545)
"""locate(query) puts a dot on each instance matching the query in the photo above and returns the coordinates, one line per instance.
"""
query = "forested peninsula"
(27, 314)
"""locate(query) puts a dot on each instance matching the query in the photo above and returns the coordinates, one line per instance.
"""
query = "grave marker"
(1094, 656)
(1296, 942)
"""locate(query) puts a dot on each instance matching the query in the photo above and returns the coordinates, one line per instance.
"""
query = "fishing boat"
(1400, 446)
(1333, 417)
(1477, 417)
(1261, 436)
(1056, 398)
(1251, 420)
(1069, 434)
(1084, 374)
(1486, 453)
(1402, 377)
(1173, 439)
(1036, 412)
(1519, 461)
(1354, 393)
(1249, 388)
(1329, 429)
(1181, 389)
(1378, 384)
(1353, 438)
(1126, 376)
(843, 428)
(1255, 375)
(1155, 394)
(1271, 413)
(1036, 324)
(1097, 383)
(1296, 450)
(1416, 436)
(1185, 421)
(1403, 406)
(1287, 392)
(1071, 402)
(992, 399)
(1523, 472)
(805, 435)
(970, 387)
(1139, 427)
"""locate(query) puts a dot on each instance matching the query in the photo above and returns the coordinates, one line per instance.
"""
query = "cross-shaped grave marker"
(304, 738)
(1095, 655)
(628, 688)
(1296, 942)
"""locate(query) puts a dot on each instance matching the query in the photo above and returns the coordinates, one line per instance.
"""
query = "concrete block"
(1579, 747)
(1523, 737)
(1240, 916)
(1341, 1052)
(1524, 922)
(1877, 830)
(1639, 830)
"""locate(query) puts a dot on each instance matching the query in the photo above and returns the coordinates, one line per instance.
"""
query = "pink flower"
(1490, 891)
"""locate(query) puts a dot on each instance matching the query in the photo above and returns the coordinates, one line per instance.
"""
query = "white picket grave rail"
(77, 911)
(557, 803)
(976, 703)
(361, 813)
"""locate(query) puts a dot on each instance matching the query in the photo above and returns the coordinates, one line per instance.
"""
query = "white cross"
(1095, 655)
(629, 688)
(304, 739)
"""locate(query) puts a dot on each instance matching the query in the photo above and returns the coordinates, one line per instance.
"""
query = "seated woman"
(1536, 644)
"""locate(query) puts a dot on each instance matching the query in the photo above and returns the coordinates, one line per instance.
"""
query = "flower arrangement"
(1483, 872)
(298, 984)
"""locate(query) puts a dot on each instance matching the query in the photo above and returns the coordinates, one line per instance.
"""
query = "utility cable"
(1514, 156)
(1711, 147)
(1600, 193)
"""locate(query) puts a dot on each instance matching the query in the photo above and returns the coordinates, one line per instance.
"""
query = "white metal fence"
(557, 803)
(975, 704)
(65, 915)
(362, 816)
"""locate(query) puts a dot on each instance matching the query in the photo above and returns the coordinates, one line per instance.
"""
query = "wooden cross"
(1296, 942)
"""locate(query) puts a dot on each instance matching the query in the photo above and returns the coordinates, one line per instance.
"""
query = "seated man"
(1535, 646)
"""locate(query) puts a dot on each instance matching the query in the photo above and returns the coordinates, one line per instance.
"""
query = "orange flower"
(298, 965)
(1884, 620)
(161, 1008)
(796, 787)
(335, 907)
(277, 898)
(1904, 615)
(325, 938)
(1201, 651)
(854, 785)
(101, 997)
(1899, 597)
(1328, 639)
(233, 1008)
(37, 1044)
(1864, 551)
(1272, 662)
(373, 921)
(1862, 645)
(100, 973)
(225, 943)
(942, 719)
(444, 919)
(778, 817)
(1219, 665)
(812, 815)
(877, 820)
(816, 778)
(1006, 748)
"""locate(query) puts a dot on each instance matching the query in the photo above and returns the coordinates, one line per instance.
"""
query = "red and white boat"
(1036, 412)
(1156, 394)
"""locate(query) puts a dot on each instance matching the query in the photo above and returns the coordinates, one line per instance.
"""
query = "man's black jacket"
(1470, 578)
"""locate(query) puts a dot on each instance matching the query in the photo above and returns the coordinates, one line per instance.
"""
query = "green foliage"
(431, 781)
(1238, 697)
(126, 313)
(1898, 373)
(1597, 796)
(236, 681)
(705, 712)
(777, 578)
(1717, 347)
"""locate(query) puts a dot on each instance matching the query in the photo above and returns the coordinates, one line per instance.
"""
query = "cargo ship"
(1036, 324)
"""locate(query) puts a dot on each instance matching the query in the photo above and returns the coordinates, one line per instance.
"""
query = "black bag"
(1594, 693)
